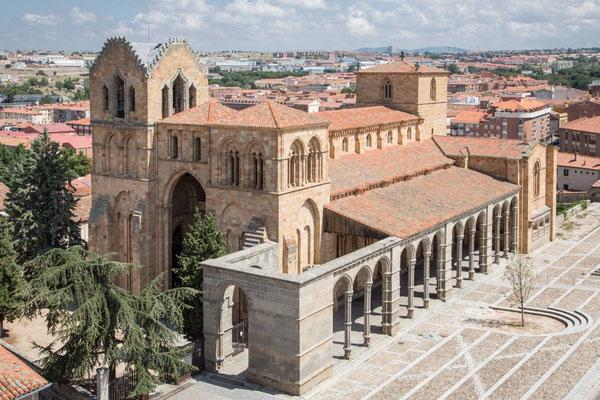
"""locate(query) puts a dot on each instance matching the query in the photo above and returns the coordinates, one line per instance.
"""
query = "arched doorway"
(187, 195)
(234, 325)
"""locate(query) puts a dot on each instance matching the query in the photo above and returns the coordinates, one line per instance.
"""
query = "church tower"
(133, 85)
(420, 90)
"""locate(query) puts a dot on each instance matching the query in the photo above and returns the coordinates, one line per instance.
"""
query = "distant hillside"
(432, 49)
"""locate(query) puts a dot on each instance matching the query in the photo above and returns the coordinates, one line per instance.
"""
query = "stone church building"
(318, 208)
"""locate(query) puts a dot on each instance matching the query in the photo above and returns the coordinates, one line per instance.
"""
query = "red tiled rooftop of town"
(270, 115)
(364, 116)
(208, 111)
(571, 160)
(455, 146)
(591, 125)
(401, 67)
(378, 167)
(82, 121)
(415, 205)
(525, 104)
(469, 117)
(16, 377)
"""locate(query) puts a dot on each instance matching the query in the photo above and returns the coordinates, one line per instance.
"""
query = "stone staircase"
(255, 234)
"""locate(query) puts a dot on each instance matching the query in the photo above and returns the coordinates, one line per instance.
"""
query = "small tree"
(11, 279)
(519, 274)
(203, 242)
(96, 323)
(40, 201)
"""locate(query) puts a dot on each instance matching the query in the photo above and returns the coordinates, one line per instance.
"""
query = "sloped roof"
(147, 55)
(457, 146)
(401, 67)
(525, 104)
(377, 167)
(350, 118)
(270, 115)
(206, 112)
(408, 207)
(591, 125)
(579, 161)
(469, 117)
(16, 377)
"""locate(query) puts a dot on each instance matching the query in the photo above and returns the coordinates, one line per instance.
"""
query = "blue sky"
(303, 24)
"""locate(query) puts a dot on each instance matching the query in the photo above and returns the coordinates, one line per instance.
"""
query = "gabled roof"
(147, 55)
(583, 162)
(591, 125)
(459, 146)
(204, 113)
(270, 115)
(402, 67)
(17, 378)
(351, 118)
(525, 104)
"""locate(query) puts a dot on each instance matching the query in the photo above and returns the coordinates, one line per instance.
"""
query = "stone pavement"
(447, 352)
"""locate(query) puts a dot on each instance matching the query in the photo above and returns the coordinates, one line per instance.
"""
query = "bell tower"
(133, 85)
(417, 89)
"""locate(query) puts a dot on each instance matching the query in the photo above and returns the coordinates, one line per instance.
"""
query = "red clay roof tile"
(360, 117)
(16, 377)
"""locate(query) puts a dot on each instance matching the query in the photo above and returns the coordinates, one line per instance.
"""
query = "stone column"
(515, 229)
(367, 315)
(386, 301)
(472, 253)
(497, 239)
(102, 384)
(459, 261)
(348, 324)
(426, 271)
(506, 232)
(411, 287)
(482, 245)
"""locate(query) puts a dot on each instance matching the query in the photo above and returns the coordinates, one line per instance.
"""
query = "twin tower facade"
(163, 147)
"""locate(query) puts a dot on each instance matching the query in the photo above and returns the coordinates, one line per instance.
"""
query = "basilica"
(318, 208)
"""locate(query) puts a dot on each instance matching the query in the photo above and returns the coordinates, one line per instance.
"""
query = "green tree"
(11, 279)
(78, 163)
(47, 100)
(40, 201)
(68, 84)
(94, 322)
(40, 73)
(203, 242)
(8, 159)
(347, 90)
(58, 85)
(453, 69)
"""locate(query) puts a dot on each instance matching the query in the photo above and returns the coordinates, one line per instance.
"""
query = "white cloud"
(38, 19)
(307, 4)
(80, 17)
(357, 23)
(260, 8)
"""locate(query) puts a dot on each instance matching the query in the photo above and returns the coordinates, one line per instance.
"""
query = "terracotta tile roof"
(3, 192)
(206, 112)
(82, 121)
(83, 208)
(585, 162)
(401, 67)
(376, 167)
(591, 125)
(16, 377)
(412, 206)
(525, 104)
(469, 117)
(270, 115)
(351, 118)
(456, 146)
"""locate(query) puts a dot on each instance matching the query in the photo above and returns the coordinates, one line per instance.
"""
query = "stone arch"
(118, 95)
(314, 160)
(131, 99)
(235, 305)
(389, 137)
(112, 154)
(368, 141)
(308, 234)
(362, 276)
(179, 86)
(129, 156)
(342, 284)
(537, 178)
(295, 163)
(409, 133)
(345, 144)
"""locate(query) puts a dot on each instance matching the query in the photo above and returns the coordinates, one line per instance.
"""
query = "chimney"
(575, 156)
(417, 65)
(401, 56)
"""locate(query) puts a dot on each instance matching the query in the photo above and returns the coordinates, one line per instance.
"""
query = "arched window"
(536, 178)
(387, 90)
(432, 89)
(294, 167)
(237, 169)
(231, 167)
(105, 98)
(257, 171)
(197, 149)
(131, 98)
(119, 86)
(174, 147)
(261, 171)
(165, 102)
(368, 141)
(345, 144)
(192, 96)
(389, 137)
(409, 133)
(178, 95)
(314, 160)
